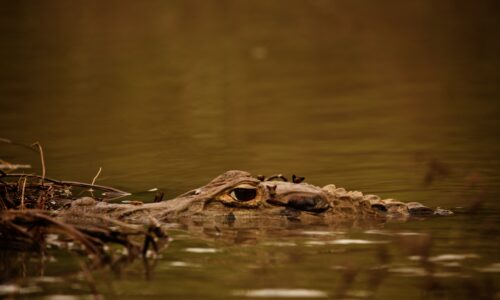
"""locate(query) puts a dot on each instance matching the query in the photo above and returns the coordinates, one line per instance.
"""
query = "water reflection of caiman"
(237, 197)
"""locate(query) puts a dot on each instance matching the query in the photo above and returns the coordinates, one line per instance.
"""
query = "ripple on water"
(409, 271)
(183, 264)
(321, 233)
(355, 242)
(48, 279)
(493, 268)
(201, 250)
(6, 289)
(281, 293)
(280, 244)
(446, 257)
(343, 242)
(379, 232)
(315, 243)
(409, 233)
(13, 289)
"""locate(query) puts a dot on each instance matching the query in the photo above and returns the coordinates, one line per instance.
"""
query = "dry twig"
(109, 189)
(22, 193)
(42, 159)
(95, 177)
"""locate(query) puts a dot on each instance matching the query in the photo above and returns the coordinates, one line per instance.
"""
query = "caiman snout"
(307, 202)
(297, 197)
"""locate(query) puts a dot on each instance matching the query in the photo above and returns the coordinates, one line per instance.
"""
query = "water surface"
(169, 94)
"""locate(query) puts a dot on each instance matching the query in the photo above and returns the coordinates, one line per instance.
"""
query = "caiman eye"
(244, 194)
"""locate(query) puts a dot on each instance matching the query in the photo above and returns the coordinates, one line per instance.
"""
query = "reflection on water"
(394, 98)
(417, 259)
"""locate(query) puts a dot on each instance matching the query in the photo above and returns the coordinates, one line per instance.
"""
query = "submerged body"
(237, 197)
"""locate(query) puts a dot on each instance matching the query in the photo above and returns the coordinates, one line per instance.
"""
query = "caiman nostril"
(308, 203)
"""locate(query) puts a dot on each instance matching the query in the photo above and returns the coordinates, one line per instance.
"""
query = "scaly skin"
(236, 197)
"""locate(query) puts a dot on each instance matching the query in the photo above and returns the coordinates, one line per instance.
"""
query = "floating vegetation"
(30, 207)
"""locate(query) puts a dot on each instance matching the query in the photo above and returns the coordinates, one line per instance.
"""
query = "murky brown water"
(366, 95)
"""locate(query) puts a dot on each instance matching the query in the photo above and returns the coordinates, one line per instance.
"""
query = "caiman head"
(238, 194)
(246, 191)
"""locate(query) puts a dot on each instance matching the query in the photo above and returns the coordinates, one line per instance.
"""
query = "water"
(170, 94)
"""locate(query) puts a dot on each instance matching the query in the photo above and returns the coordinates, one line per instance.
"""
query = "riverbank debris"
(31, 209)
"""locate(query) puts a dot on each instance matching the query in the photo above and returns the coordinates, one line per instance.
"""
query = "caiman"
(237, 196)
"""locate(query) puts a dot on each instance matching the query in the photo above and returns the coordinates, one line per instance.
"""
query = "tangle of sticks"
(29, 209)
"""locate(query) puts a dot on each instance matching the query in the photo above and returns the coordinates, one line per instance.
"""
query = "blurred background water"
(367, 95)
